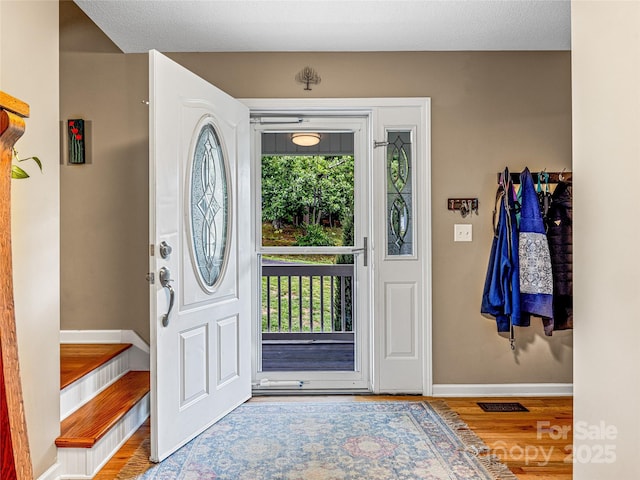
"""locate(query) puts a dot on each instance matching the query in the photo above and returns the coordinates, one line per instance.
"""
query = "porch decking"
(286, 356)
(307, 311)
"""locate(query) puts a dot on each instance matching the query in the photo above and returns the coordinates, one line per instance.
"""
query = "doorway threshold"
(289, 392)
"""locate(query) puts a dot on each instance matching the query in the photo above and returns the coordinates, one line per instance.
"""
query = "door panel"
(400, 305)
(199, 165)
(194, 365)
(228, 350)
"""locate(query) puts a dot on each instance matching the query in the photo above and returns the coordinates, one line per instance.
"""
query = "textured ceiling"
(332, 25)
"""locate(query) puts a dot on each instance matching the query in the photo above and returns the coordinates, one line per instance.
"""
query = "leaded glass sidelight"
(209, 206)
(399, 194)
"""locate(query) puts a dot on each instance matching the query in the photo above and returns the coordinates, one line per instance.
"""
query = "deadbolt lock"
(165, 249)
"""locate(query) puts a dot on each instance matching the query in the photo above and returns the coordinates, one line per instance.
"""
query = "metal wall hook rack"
(545, 177)
(466, 206)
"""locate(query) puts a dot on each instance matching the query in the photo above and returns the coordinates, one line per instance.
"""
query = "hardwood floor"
(536, 445)
(113, 467)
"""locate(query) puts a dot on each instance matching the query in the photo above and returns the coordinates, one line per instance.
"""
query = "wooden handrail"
(13, 105)
(14, 443)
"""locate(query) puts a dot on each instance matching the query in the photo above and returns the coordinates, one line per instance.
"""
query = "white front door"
(200, 240)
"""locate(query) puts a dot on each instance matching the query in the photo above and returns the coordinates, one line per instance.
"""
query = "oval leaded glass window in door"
(209, 206)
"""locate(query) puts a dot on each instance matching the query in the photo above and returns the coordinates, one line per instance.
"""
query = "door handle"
(364, 249)
(165, 278)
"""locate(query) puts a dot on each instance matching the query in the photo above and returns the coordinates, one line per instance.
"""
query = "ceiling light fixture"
(305, 139)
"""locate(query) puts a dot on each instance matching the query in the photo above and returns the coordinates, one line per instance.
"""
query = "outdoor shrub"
(314, 236)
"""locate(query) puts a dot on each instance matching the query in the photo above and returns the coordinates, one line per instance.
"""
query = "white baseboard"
(139, 355)
(504, 390)
(53, 473)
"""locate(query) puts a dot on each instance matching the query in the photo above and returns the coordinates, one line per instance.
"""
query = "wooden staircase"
(102, 403)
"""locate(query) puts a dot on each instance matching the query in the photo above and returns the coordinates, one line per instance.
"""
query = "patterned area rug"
(332, 441)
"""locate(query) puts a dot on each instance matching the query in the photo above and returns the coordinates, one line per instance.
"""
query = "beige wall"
(489, 109)
(29, 71)
(606, 138)
(104, 228)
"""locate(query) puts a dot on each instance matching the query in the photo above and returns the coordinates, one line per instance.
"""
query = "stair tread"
(88, 424)
(78, 359)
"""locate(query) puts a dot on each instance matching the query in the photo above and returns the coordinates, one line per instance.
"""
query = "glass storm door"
(312, 237)
(201, 296)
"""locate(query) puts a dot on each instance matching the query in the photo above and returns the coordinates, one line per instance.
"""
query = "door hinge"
(151, 278)
(152, 250)
(380, 144)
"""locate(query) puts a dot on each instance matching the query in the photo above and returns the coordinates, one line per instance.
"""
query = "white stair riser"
(84, 389)
(84, 463)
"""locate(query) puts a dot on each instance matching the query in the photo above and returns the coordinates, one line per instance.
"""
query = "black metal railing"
(307, 298)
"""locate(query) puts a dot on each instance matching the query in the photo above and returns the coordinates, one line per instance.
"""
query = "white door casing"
(400, 316)
(201, 360)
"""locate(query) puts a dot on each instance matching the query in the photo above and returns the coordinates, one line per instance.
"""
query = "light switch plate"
(462, 232)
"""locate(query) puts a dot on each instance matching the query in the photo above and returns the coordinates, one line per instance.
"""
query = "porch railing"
(299, 299)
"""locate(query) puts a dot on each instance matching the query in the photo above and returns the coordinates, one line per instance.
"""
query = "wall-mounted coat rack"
(542, 177)
(465, 205)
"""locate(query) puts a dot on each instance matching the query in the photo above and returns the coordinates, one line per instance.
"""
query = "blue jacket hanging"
(536, 278)
(501, 295)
